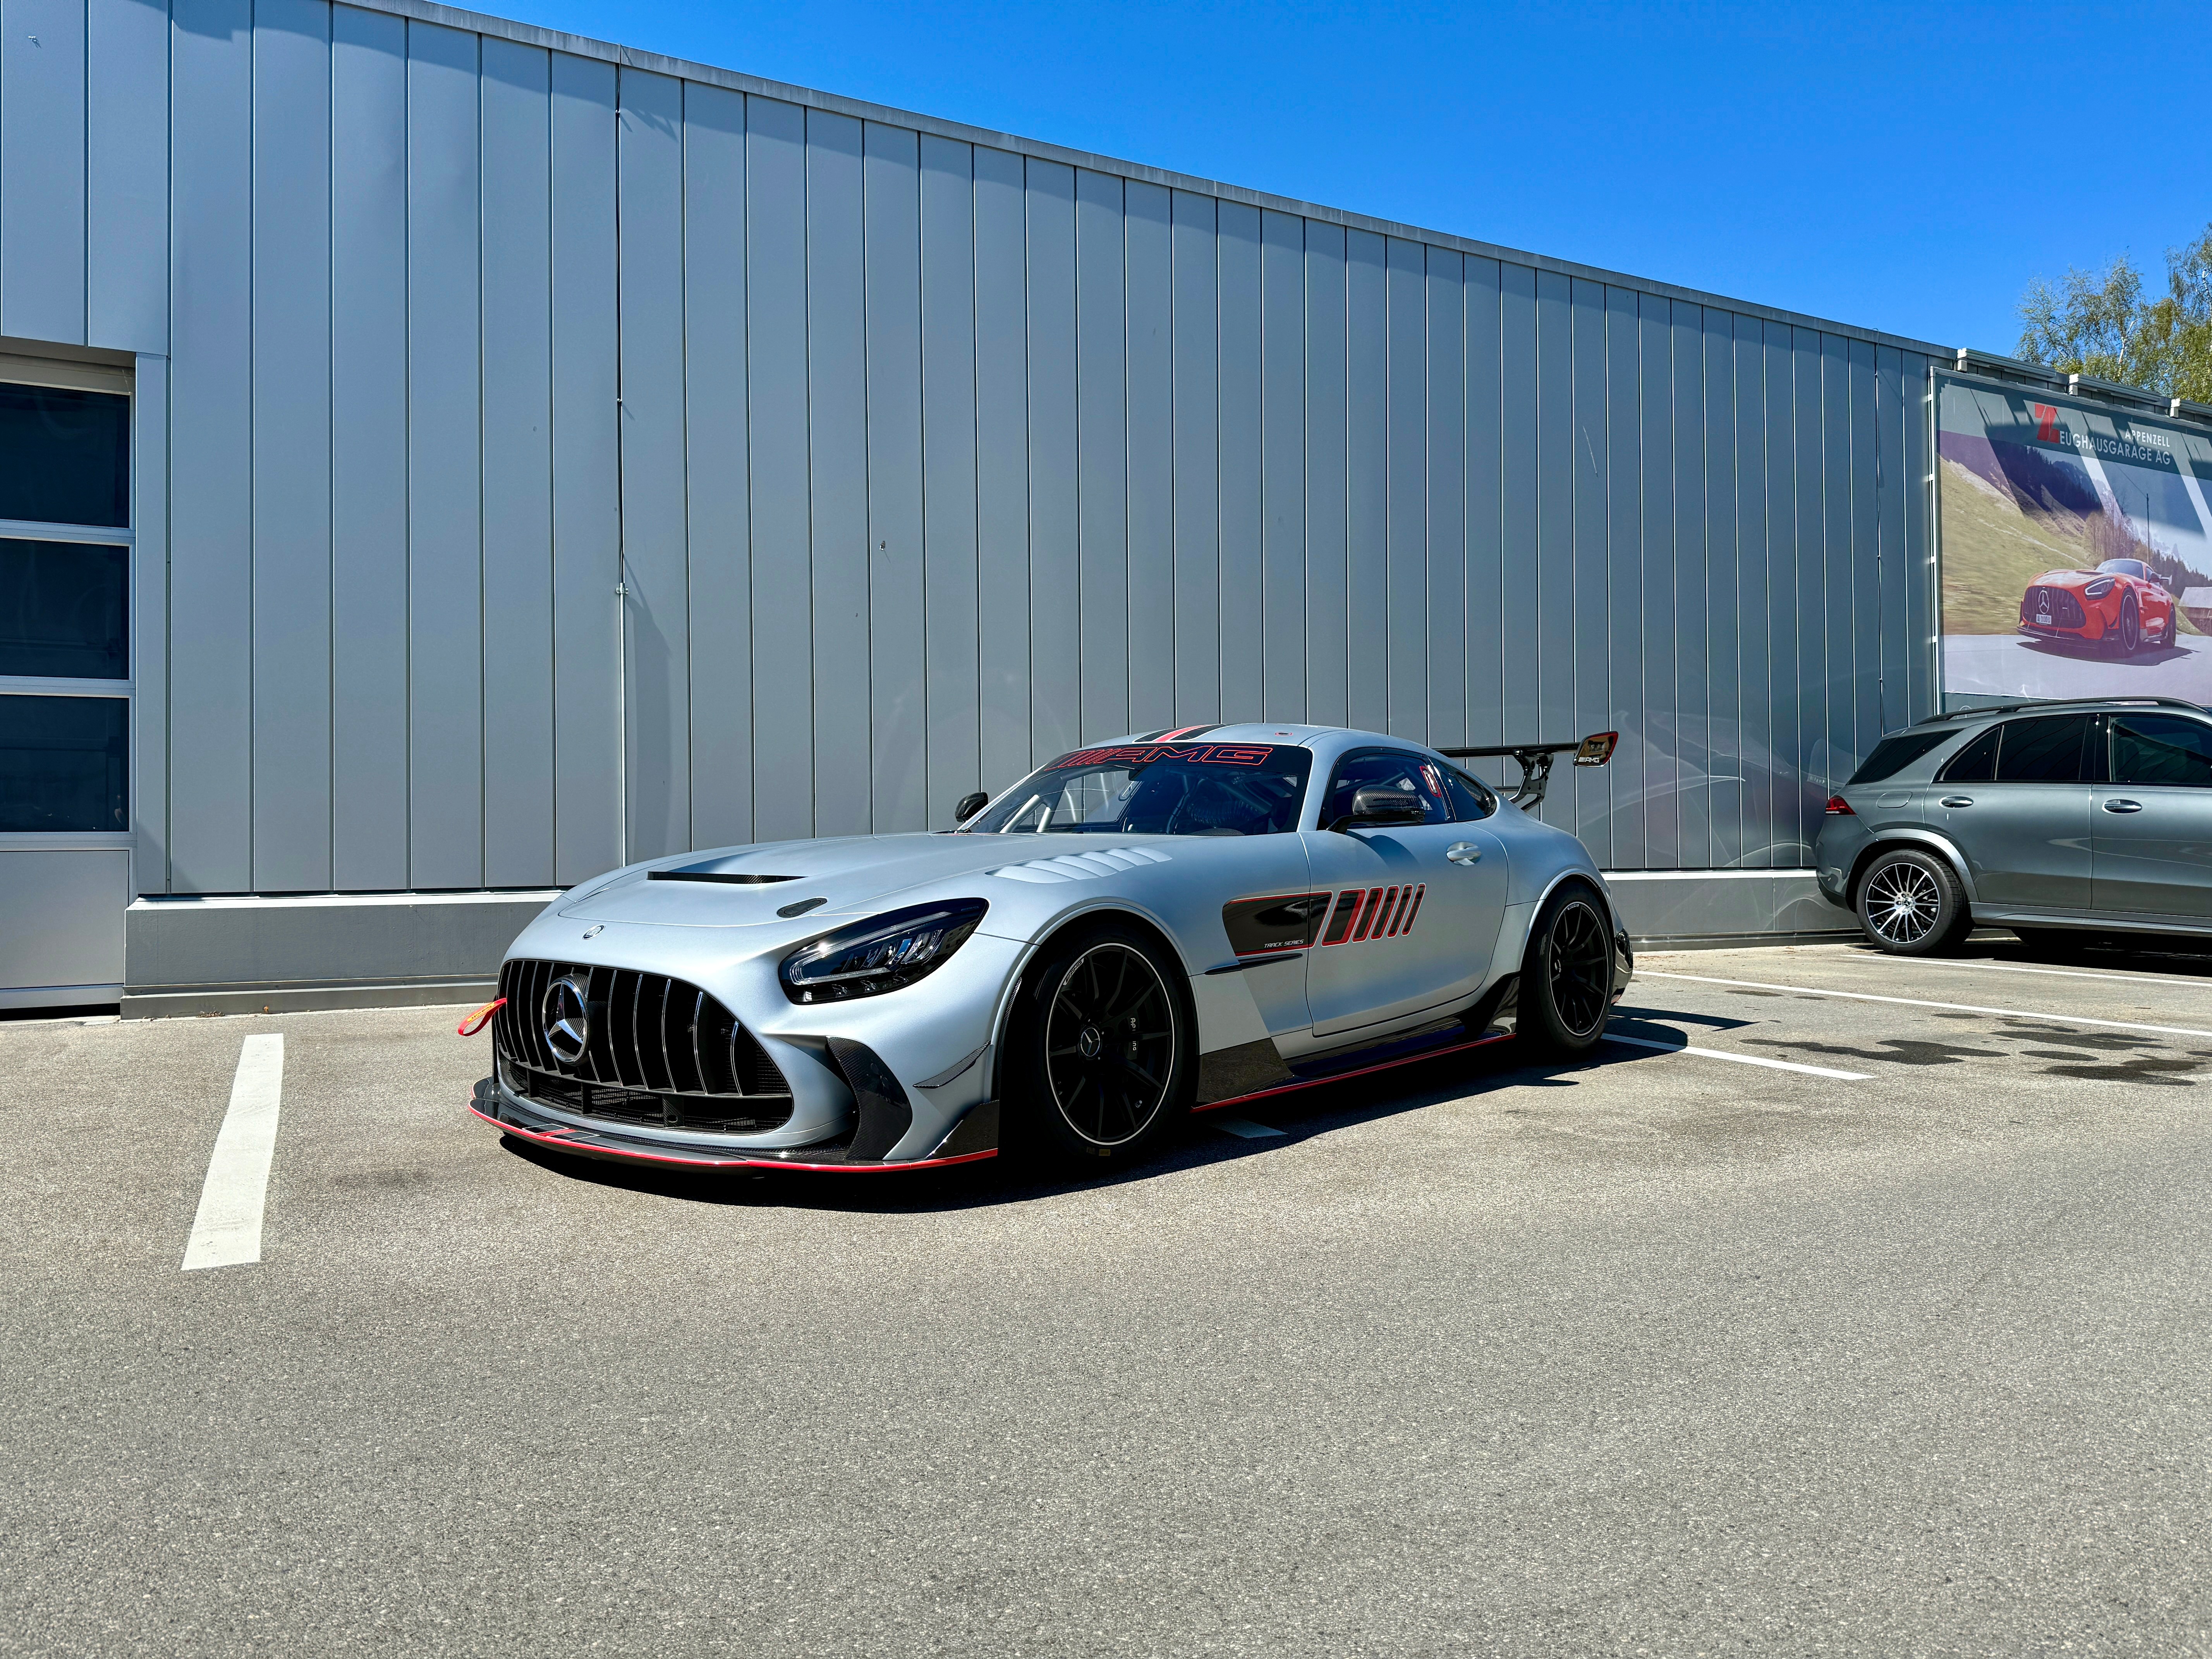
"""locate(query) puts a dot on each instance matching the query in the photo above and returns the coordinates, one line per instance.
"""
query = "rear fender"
(1912, 834)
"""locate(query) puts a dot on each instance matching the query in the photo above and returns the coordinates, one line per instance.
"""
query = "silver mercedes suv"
(2050, 819)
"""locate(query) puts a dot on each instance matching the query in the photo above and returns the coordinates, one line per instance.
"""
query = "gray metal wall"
(920, 458)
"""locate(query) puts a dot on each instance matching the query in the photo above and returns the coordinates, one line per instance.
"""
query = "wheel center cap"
(1090, 1040)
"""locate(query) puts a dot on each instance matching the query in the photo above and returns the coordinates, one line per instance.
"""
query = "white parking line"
(227, 1229)
(1244, 1128)
(1917, 1002)
(2061, 973)
(1740, 1059)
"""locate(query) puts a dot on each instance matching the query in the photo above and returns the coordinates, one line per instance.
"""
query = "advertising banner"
(2075, 547)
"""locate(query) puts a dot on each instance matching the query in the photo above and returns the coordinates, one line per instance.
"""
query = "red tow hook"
(482, 1017)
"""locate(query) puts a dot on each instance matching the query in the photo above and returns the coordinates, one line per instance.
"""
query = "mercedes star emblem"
(568, 1020)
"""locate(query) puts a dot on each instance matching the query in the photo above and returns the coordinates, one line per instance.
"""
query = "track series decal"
(1295, 921)
(1281, 921)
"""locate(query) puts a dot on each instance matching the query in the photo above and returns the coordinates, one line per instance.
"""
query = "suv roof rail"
(2069, 703)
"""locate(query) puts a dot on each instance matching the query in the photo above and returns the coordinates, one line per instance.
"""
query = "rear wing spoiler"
(1535, 760)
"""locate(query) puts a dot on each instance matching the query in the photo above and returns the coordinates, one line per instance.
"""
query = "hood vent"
(734, 880)
(1080, 867)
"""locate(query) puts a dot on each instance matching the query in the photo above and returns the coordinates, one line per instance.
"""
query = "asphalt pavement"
(1882, 1326)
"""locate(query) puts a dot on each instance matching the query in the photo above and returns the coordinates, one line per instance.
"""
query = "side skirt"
(1381, 1057)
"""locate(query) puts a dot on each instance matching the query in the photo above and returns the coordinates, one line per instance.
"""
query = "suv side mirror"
(1374, 805)
(970, 805)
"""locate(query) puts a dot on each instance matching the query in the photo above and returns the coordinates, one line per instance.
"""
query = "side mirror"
(970, 805)
(1374, 805)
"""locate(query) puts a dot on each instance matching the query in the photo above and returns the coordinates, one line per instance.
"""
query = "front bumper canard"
(973, 1138)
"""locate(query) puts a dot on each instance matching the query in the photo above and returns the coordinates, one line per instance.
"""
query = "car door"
(2015, 802)
(1414, 913)
(2151, 827)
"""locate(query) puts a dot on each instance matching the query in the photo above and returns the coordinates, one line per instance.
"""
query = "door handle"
(1463, 852)
(1958, 800)
(2123, 806)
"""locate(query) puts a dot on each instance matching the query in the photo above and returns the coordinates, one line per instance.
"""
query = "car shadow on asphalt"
(1296, 1117)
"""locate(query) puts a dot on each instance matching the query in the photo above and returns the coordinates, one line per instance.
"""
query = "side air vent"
(636, 1047)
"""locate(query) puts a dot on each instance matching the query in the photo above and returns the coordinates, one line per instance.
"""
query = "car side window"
(1470, 801)
(1977, 762)
(2161, 749)
(2047, 749)
(1386, 768)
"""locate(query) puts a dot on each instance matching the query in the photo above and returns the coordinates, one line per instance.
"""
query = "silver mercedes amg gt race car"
(1168, 921)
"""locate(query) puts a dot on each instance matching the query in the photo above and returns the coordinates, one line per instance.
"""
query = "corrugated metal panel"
(127, 233)
(1102, 379)
(1056, 592)
(1367, 524)
(1723, 725)
(1754, 732)
(930, 461)
(1628, 712)
(1591, 570)
(211, 450)
(1150, 414)
(948, 433)
(587, 798)
(656, 578)
(42, 167)
(518, 465)
(1445, 415)
(1197, 497)
(1325, 458)
(898, 725)
(775, 362)
(1282, 463)
(445, 470)
(368, 451)
(290, 354)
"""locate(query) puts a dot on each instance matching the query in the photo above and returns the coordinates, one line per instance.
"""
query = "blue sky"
(1902, 167)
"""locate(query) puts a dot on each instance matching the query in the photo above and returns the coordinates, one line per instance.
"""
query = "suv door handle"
(2123, 806)
(1463, 852)
(1958, 800)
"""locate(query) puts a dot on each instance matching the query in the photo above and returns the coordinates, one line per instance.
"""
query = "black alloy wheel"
(1105, 1047)
(2131, 627)
(1566, 976)
(1910, 905)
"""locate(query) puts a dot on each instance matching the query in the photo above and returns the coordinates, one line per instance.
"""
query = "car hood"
(2072, 579)
(735, 886)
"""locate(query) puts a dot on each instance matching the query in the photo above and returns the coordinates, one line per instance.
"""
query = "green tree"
(2101, 325)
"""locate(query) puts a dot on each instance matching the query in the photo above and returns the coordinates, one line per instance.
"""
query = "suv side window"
(1387, 769)
(2161, 749)
(1977, 762)
(2047, 749)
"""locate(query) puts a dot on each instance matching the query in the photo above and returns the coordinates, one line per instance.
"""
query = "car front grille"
(658, 1051)
(2062, 608)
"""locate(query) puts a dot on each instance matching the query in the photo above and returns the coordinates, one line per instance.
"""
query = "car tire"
(1102, 1049)
(1910, 905)
(2130, 631)
(1566, 995)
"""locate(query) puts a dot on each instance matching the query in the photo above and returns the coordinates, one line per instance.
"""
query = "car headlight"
(880, 954)
(2097, 590)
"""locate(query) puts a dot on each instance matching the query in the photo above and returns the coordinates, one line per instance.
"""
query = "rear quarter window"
(1892, 754)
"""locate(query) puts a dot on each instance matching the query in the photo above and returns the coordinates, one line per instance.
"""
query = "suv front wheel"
(1910, 905)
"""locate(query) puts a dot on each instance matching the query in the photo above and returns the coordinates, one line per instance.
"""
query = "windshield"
(1156, 789)
(2134, 568)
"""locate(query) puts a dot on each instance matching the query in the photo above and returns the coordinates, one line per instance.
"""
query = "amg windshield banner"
(2074, 541)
